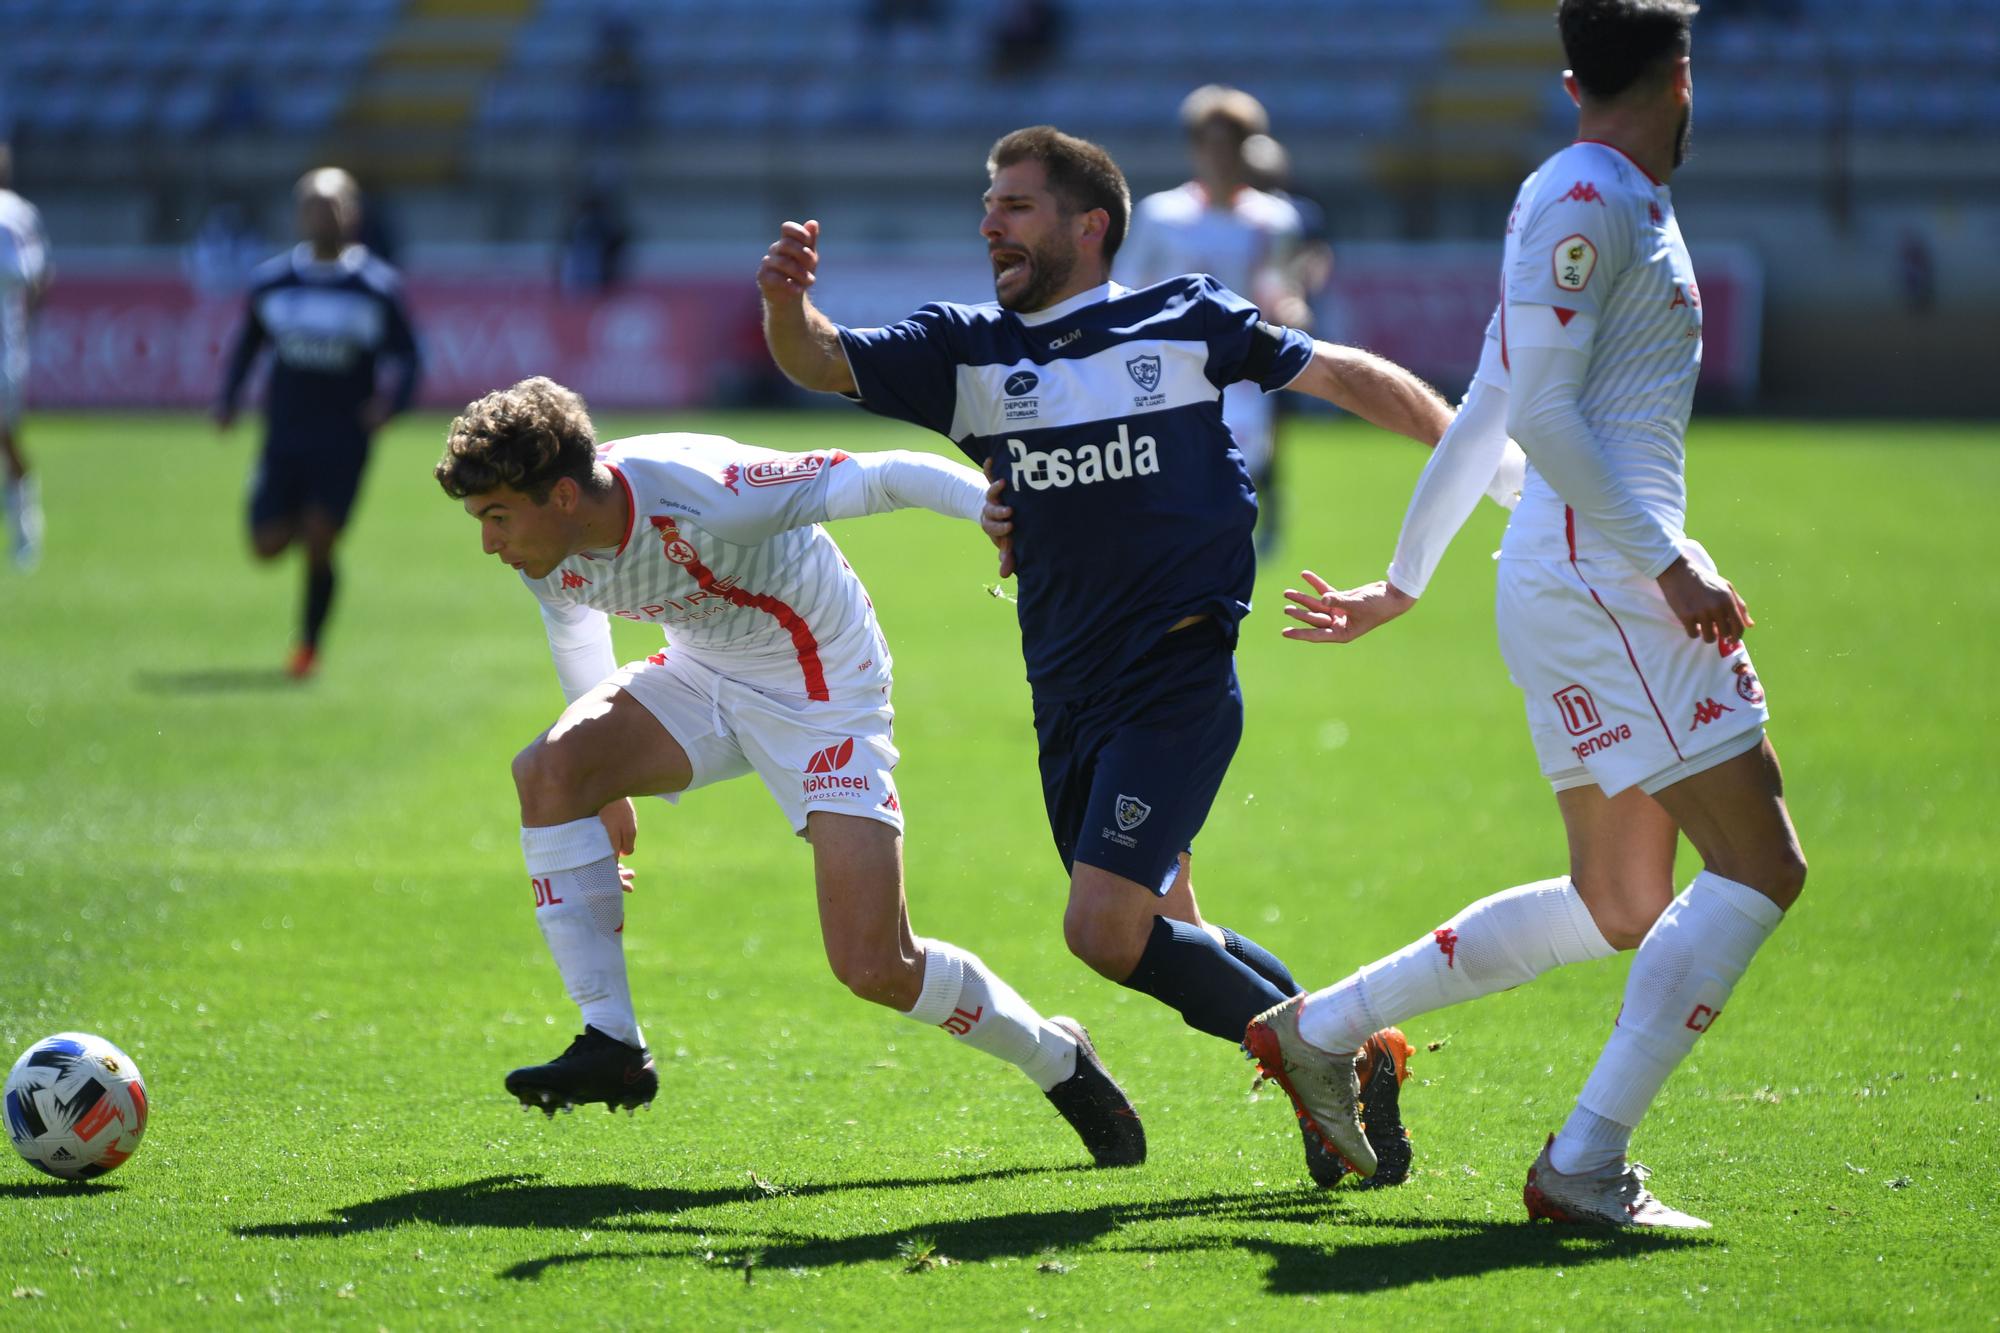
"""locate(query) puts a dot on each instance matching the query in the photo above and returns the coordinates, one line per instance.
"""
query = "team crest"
(1132, 811)
(1748, 687)
(1145, 372)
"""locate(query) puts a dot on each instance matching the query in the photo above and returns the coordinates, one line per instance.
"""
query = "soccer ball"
(75, 1105)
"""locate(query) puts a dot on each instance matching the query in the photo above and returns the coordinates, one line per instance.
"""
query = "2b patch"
(1575, 259)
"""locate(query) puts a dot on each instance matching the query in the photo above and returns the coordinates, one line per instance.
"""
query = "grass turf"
(302, 911)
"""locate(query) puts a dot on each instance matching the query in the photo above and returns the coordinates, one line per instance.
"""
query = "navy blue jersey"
(1132, 506)
(328, 323)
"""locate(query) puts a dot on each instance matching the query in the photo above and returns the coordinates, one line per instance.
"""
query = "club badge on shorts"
(1131, 812)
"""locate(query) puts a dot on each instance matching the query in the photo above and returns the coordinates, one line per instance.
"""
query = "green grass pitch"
(303, 912)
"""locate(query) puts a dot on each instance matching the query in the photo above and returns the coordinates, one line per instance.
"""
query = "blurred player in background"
(776, 666)
(1220, 223)
(331, 312)
(24, 279)
(1128, 511)
(1646, 714)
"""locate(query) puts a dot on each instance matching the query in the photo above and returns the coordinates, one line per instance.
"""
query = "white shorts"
(1617, 693)
(812, 754)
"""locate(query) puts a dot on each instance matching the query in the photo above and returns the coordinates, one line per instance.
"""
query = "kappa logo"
(1584, 192)
(1131, 812)
(1145, 372)
(785, 471)
(730, 476)
(832, 759)
(1653, 213)
(891, 804)
(1707, 711)
(1021, 383)
(1748, 687)
(1447, 943)
(572, 579)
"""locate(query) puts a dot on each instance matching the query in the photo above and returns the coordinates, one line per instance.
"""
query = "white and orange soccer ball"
(75, 1106)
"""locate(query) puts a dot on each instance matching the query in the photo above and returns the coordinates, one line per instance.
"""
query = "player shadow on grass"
(524, 1201)
(60, 1189)
(213, 680)
(1339, 1264)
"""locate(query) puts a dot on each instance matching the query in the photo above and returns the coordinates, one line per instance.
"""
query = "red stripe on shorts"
(1569, 531)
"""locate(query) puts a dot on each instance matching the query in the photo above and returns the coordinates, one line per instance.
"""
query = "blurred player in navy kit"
(331, 312)
(1128, 510)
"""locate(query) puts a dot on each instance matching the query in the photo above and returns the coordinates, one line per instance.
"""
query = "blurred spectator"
(239, 105)
(1028, 34)
(592, 258)
(611, 83)
(1916, 272)
(883, 15)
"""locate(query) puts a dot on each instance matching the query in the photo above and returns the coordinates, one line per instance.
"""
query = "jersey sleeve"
(1242, 346)
(907, 370)
(1572, 250)
(579, 644)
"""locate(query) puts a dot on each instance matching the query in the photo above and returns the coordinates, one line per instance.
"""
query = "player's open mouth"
(1008, 264)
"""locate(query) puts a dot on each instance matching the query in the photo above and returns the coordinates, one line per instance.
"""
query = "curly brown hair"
(528, 437)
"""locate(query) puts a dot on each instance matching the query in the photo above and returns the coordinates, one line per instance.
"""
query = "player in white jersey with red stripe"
(24, 280)
(1646, 714)
(774, 665)
(1220, 224)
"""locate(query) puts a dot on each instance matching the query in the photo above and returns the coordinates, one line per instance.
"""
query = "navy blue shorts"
(1129, 772)
(290, 480)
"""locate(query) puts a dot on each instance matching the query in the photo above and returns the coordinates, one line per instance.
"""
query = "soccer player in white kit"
(1220, 224)
(775, 665)
(1646, 714)
(24, 278)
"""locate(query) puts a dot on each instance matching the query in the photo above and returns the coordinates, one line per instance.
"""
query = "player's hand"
(791, 265)
(1705, 602)
(1329, 615)
(625, 878)
(621, 821)
(996, 520)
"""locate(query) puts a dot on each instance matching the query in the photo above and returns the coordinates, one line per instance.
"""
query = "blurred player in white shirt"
(1646, 714)
(24, 279)
(775, 665)
(1219, 223)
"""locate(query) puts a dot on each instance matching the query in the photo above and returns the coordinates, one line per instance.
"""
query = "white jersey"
(23, 263)
(1183, 231)
(1594, 251)
(725, 553)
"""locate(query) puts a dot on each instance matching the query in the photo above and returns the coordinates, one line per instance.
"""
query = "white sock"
(580, 906)
(1498, 942)
(965, 999)
(1685, 968)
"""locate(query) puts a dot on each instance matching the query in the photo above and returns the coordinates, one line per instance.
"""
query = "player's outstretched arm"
(803, 342)
(1375, 389)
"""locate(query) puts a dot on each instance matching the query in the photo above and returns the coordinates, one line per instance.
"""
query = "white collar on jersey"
(1102, 292)
(350, 260)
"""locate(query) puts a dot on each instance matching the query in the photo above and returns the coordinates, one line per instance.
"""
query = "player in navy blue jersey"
(1122, 501)
(331, 312)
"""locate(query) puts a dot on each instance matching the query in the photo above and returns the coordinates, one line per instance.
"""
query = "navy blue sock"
(1262, 961)
(1186, 969)
(319, 601)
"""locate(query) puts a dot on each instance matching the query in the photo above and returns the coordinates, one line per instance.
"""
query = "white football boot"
(24, 521)
(1616, 1197)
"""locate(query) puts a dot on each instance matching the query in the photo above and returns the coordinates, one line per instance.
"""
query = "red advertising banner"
(151, 340)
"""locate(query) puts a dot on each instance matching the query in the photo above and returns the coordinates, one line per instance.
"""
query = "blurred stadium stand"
(1852, 146)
